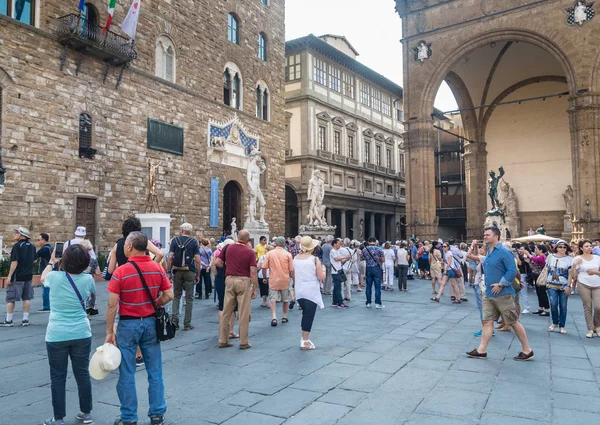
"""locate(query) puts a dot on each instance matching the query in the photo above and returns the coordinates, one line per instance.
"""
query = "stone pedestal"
(316, 232)
(256, 230)
(496, 220)
(157, 226)
(568, 228)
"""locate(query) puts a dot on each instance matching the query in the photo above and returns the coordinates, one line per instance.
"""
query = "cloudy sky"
(372, 26)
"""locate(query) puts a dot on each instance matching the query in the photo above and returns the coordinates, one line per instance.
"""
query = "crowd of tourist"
(285, 271)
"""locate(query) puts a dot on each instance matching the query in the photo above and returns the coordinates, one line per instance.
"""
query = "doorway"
(85, 215)
(232, 206)
(291, 212)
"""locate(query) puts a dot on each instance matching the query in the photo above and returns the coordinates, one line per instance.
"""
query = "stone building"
(82, 113)
(345, 120)
(525, 76)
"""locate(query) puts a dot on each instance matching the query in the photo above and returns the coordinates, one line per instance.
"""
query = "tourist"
(93, 270)
(44, 254)
(309, 275)
(557, 285)
(524, 258)
(354, 275)
(261, 248)
(20, 276)
(362, 265)
(184, 262)
(435, 265)
(69, 334)
(117, 255)
(459, 259)
(326, 259)
(541, 230)
(414, 251)
(80, 234)
(137, 327)
(337, 261)
(499, 297)
(477, 254)
(205, 256)
(374, 258)
(402, 260)
(596, 247)
(538, 262)
(586, 273)
(295, 247)
(241, 285)
(279, 264)
(449, 268)
(219, 274)
(346, 250)
(530, 232)
(390, 264)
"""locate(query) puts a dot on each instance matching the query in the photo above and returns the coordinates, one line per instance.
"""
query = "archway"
(291, 212)
(232, 206)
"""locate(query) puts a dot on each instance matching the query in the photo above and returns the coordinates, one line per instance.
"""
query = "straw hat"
(308, 244)
(106, 359)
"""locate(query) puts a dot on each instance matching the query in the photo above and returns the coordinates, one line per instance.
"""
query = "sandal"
(551, 328)
(457, 302)
(590, 334)
(453, 298)
(233, 335)
(563, 331)
(274, 322)
(307, 345)
(284, 320)
(435, 299)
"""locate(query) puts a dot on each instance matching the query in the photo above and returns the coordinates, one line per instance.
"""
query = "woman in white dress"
(309, 275)
(390, 264)
(586, 277)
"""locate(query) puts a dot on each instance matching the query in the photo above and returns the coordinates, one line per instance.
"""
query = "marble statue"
(234, 135)
(568, 196)
(256, 167)
(580, 13)
(493, 187)
(152, 200)
(218, 142)
(233, 228)
(510, 204)
(316, 193)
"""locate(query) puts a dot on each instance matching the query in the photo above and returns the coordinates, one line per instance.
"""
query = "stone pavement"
(401, 365)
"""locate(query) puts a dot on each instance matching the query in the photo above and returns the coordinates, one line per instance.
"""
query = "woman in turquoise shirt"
(68, 333)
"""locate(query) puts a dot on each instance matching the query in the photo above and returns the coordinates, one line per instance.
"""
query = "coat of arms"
(582, 11)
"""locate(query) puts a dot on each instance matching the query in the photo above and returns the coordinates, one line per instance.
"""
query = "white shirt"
(402, 256)
(389, 256)
(592, 281)
(335, 265)
(307, 283)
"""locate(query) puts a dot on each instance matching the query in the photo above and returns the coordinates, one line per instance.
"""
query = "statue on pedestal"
(569, 196)
(493, 187)
(233, 228)
(152, 200)
(256, 167)
(316, 194)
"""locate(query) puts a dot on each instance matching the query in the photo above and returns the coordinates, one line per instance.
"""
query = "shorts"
(451, 274)
(19, 291)
(279, 296)
(503, 306)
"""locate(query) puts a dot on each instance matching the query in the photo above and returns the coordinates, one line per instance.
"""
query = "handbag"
(70, 279)
(165, 329)
(543, 277)
(340, 273)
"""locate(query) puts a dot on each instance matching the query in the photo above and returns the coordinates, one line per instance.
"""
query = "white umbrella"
(535, 238)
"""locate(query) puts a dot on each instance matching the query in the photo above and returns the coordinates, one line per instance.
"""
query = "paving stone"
(573, 386)
(423, 419)
(421, 363)
(340, 369)
(319, 414)
(498, 419)
(489, 366)
(572, 417)
(344, 397)
(522, 400)
(580, 403)
(318, 382)
(250, 418)
(285, 403)
(365, 381)
(468, 381)
(583, 375)
(468, 404)
(244, 399)
(359, 358)
(272, 383)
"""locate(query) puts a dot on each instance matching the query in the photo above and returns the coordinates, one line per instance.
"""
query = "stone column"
(356, 218)
(584, 120)
(372, 225)
(397, 227)
(476, 187)
(343, 224)
(329, 216)
(420, 140)
(383, 229)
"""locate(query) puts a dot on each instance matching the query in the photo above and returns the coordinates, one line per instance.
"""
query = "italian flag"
(111, 11)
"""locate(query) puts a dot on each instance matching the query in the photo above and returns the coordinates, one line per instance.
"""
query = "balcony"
(325, 154)
(340, 158)
(87, 38)
(353, 161)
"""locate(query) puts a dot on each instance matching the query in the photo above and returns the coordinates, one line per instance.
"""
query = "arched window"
(262, 101)
(232, 86)
(166, 60)
(86, 136)
(262, 46)
(232, 29)
(89, 22)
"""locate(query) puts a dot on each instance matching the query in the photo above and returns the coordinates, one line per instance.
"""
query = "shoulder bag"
(373, 258)
(543, 276)
(70, 279)
(340, 273)
(165, 329)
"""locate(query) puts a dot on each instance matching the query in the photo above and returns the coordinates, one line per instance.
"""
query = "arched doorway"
(232, 206)
(291, 212)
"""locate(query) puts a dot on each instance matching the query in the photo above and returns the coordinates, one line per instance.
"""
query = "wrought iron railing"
(76, 30)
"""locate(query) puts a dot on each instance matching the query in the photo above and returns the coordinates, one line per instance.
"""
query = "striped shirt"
(126, 282)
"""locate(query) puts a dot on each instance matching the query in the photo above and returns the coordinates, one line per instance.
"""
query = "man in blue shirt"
(499, 272)
(326, 252)
(374, 257)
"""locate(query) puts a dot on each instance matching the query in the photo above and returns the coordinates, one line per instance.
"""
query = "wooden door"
(86, 216)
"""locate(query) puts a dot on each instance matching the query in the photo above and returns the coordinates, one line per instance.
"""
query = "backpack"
(179, 259)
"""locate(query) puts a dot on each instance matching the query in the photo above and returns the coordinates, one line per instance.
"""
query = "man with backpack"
(184, 261)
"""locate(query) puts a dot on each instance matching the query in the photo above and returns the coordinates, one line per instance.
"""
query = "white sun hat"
(106, 359)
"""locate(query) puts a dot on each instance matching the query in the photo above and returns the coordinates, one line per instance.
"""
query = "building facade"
(83, 113)
(526, 79)
(345, 120)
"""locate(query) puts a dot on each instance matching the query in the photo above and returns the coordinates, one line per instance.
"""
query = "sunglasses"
(444, 246)
(561, 247)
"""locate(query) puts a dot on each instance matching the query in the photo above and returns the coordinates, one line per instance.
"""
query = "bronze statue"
(493, 188)
(152, 200)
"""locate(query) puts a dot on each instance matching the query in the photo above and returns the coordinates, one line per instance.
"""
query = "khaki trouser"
(237, 291)
(590, 296)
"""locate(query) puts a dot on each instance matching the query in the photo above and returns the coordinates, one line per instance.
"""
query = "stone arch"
(430, 90)
(595, 83)
(464, 101)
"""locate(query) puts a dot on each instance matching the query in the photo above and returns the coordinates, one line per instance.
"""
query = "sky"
(372, 26)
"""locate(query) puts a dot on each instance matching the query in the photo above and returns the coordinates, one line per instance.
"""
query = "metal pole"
(439, 157)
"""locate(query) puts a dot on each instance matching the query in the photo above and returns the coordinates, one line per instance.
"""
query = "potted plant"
(4, 268)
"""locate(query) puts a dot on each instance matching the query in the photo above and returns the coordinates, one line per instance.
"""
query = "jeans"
(337, 289)
(477, 291)
(558, 306)
(204, 278)
(46, 298)
(58, 358)
(309, 309)
(374, 275)
(130, 335)
(402, 276)
(183, 280)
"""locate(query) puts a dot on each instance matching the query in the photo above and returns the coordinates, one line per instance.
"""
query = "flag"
(129, 25)
(111, 11)
(82, 5)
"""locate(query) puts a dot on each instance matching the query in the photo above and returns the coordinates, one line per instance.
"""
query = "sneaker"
(122, 422)
(477, 334)
(44, 310)
(525, 311)
(476, 354)
(25, 322)
(368, 305)
(139, 362)
(292, 304)
(524, 357)
(86, 418)
(157, 420)
(188, 327)
(334, 305)
(379, 306)
(342, 306)
(53, 421)
(6, 323)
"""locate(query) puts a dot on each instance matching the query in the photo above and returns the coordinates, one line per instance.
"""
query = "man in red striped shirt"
(137, 327)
